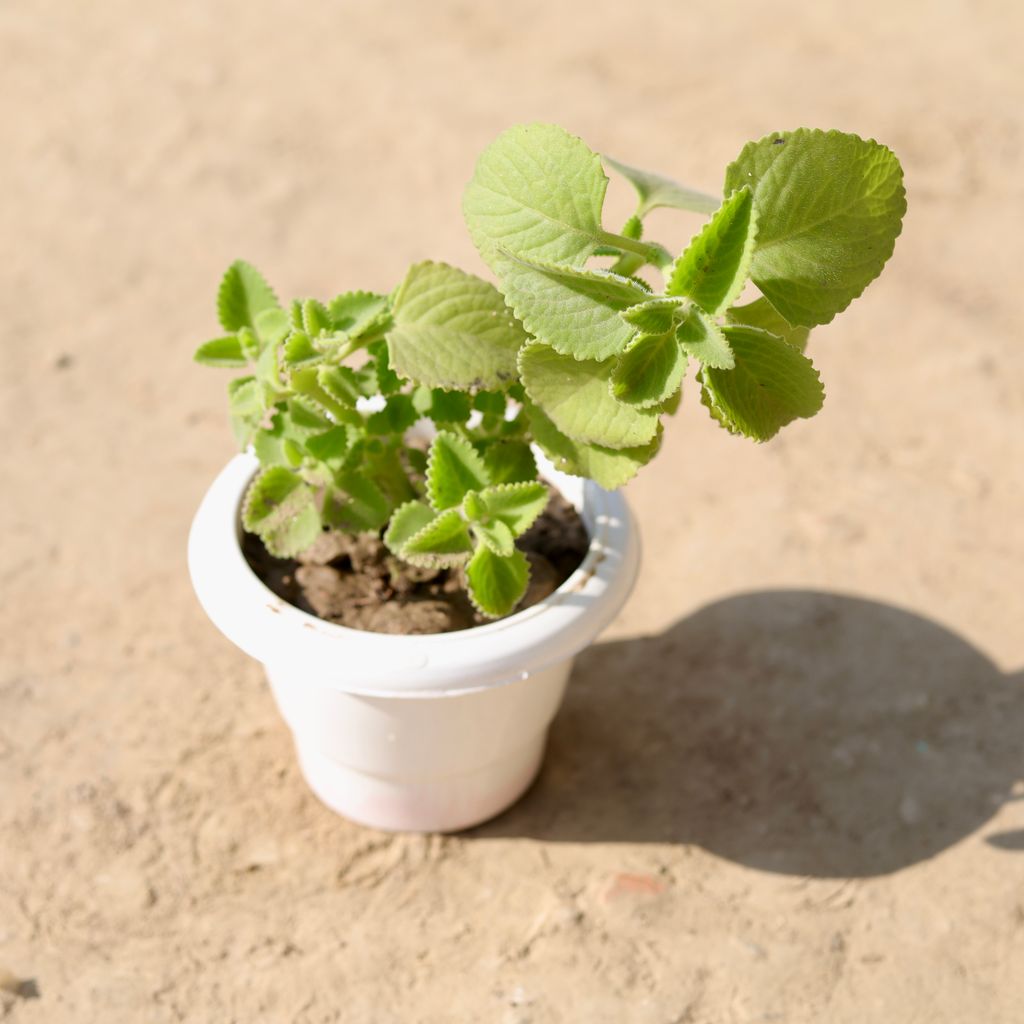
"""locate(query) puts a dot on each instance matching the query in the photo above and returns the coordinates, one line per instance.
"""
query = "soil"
(356, 582)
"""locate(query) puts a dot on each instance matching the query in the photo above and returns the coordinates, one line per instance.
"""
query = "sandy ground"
(787, 785)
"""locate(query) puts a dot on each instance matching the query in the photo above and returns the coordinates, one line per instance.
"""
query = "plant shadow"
(793, 731)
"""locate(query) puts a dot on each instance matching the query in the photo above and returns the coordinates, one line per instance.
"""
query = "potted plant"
(409, 442)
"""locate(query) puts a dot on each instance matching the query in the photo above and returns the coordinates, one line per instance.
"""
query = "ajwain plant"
(574, 352)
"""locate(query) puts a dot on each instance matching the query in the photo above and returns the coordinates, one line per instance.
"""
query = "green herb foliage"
(575, 357)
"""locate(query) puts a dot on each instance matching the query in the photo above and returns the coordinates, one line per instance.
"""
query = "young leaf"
(515, 505)
(242, 296)
(699, 336)
(575, 394)
(355, 504)
(272, 325)
(653, 191)
(714, 267)
(315, 318)
(388, 382)
(605, 466)
(454, 467)
(829, 209)
(452, 330)
(356, 312)
(281, 508)
(537, 191)
(771, 385)
(341, 383)
(442, 543)
(245, 405)
(654, 315)
(650, 371)
(760, 313)
(406, 522)
(510, 462)
(575, 311)
(226, 351)
(496, 535)
(496, 584)
(299, 349)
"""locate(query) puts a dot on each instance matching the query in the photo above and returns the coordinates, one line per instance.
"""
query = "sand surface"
(788, 784)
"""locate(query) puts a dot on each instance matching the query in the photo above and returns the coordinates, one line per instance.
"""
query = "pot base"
(447, 804)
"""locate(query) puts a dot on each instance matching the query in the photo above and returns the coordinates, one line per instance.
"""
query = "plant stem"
(653, 254)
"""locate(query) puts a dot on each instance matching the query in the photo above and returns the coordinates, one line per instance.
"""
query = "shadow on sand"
(792, 731)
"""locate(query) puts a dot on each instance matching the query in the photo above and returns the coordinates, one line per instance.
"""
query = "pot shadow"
(792, 731)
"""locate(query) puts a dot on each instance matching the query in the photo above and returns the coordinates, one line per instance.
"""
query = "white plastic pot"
(415, 733)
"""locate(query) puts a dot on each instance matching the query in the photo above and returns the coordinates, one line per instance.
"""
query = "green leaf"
(714, 267)
(250, 343)
(650, 371)
(242, 296)
(355, 312)
(299, 349)
(576, 395)
(341, 383)
(454, 467)
(538, 192)
(515, 505)
(699, 336)
(496, 535)
(496, 584)
(444, 542)
(330, 446)
(510, 462)
(245, 405)
(452, 330)
(315, 318)
(443, 406)
(272, 326)
(388, 382)
(655, 315)
(575, 311)
(356, 504)
(226, 351)
(406, 522)
(761, 313)
(607, 467)
(654, 190)
(281, 508)
(397, 416)
(829, 208)
(771, 385)
(306, 381)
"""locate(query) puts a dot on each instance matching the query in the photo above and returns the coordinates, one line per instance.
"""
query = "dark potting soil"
(356, 582)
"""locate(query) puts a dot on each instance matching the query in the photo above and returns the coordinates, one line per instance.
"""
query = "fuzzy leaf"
(515, 505)
(397, 416)
(443, 406)
(356, 504)
(575, 311)
(607, 467)
(245, 405)
(306, 381)
(496, 584)
(330, 446)
(510, 462)
(452, 330)
(226, 351)
(771, 385)
(496, 535)
(272, 326)
(341, 383)
(714, 267)
(315, 318)
(281, 508)
(443, 542)
(829, 208)
(576, 395)
(299, 349)
(537, 191)
(406, 522)
(760, 313)
(355, 312)
(654, 190)
(650, 371)
(655, 315)
(454, 467)
(699, 336)
(242, 296)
